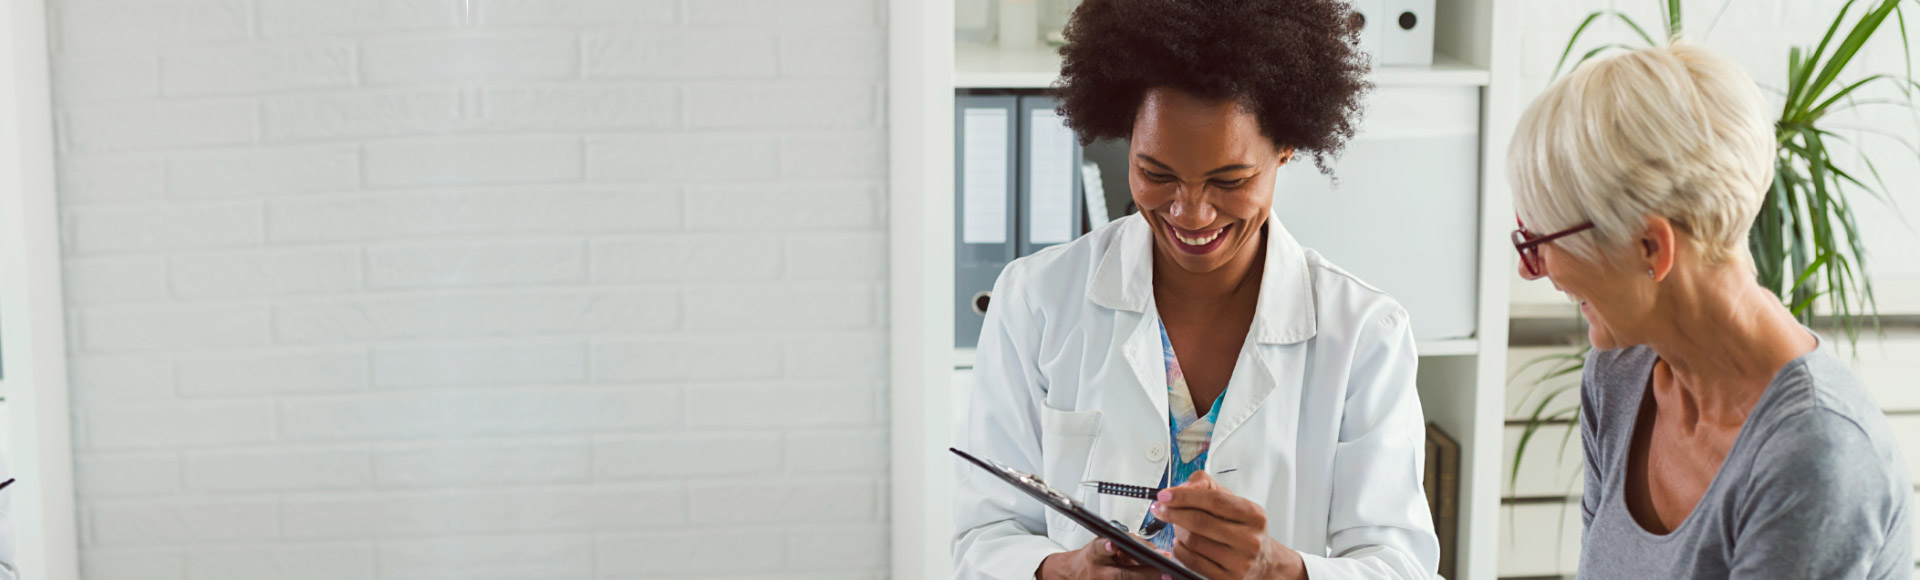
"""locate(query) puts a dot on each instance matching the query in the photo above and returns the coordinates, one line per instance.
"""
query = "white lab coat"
(1321, 423)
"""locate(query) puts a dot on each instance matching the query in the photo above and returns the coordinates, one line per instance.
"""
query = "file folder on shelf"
(1051, 204)
(986, 225)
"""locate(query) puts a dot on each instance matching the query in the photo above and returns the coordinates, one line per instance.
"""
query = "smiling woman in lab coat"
(1198, 337)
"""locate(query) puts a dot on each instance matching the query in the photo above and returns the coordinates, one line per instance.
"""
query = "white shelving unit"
(1462, 385)
(978, 66)
(32, 317)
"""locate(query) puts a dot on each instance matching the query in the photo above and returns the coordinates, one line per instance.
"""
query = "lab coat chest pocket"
(1066, 446)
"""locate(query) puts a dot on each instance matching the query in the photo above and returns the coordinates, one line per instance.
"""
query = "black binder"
(1060, 502)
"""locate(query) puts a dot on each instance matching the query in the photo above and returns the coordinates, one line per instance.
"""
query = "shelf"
(978, 66)
(963, 357)
(1448, 347)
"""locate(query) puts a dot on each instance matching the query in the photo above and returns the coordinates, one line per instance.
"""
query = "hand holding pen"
(1153, 525)
(1222, 535)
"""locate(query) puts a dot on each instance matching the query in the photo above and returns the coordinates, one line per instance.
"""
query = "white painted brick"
(473, 160)
(683, 456)
(479, 413)
(256, 69)
(103, 280)
(837, 355)
(788, 502)
(705, 53)
(783, 207)
(476, 315)
(121, 328)
(791, 104)
(477, 264)
(682, 158)
(146, 25)
(272, 272)
(836, 54)
(98, 475)
(468, 365)
(165, 227)
(256, 172)
(586, 13)
(110, 178)
(185, 522)
(125, 378)
(686, 357)
(166, 425)
(787, 306)
(281, 562)
(483, 463)
(469, 58)
(862, 547)
(667, 258)
(518, 211)
(277, 469)
(273, 373)
(686, 553)
(82, 79)
(488, 558)
(548, 509)
(837, 451)
(120, 127)
(792, 404)
(851, 256)
(583, 108)
(834, 154)
(795, 13)
(357, 115)
(149, 564)
(347, 17)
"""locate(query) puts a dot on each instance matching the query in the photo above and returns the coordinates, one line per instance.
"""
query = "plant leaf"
(1575, 39)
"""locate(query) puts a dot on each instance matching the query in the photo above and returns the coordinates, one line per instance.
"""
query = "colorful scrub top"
(1191, 432)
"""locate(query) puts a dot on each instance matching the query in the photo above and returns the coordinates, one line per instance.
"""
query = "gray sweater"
(1812, 488)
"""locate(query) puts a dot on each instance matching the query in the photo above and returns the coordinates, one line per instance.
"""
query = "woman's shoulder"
(1336, 288)
(1064, 269)
(1816, 409)
(1613, 380)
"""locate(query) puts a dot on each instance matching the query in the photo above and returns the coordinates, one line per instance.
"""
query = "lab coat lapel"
(1124, 282)
(1270, 365)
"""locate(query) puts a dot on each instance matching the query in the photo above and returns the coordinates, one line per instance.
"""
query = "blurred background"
(570, 289)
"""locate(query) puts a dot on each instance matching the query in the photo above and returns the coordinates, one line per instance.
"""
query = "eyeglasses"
(1528, 244)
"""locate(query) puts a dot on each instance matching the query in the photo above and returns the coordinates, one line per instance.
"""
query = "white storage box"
(1405, 214)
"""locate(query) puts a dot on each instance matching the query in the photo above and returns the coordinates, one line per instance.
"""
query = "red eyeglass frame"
(1528, 244)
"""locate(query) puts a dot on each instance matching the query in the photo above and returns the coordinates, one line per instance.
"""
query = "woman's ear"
(1286, 156)
(1659, 246)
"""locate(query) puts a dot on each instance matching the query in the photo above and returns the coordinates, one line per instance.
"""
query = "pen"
(4, 484)
(1132, 491)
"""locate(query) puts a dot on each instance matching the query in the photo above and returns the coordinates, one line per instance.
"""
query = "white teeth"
(1199, 241)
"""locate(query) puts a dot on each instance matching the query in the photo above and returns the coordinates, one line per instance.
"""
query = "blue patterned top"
(1191, 433)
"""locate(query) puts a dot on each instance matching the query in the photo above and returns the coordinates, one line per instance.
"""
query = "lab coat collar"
(1284, 315)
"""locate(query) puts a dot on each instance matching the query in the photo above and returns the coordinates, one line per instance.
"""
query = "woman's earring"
(1649, 274)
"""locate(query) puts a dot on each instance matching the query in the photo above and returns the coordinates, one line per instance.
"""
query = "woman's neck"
(1723, 340)
(1236, 280)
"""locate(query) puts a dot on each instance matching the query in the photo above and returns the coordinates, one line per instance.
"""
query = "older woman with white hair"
(1722, 438)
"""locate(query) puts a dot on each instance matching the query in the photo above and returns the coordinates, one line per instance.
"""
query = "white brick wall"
(475, 289)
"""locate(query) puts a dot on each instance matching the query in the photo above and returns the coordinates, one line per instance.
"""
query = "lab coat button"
(1157, 452)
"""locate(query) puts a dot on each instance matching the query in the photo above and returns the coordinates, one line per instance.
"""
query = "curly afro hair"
(1293, 64)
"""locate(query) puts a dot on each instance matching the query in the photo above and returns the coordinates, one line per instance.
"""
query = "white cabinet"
(1404, 214)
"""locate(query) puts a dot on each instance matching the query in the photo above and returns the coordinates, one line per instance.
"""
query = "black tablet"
(1060, 502)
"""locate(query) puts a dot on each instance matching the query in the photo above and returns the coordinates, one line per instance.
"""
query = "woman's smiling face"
(1202, 175)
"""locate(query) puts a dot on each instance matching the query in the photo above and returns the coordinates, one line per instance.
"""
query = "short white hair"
(1675, 131)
